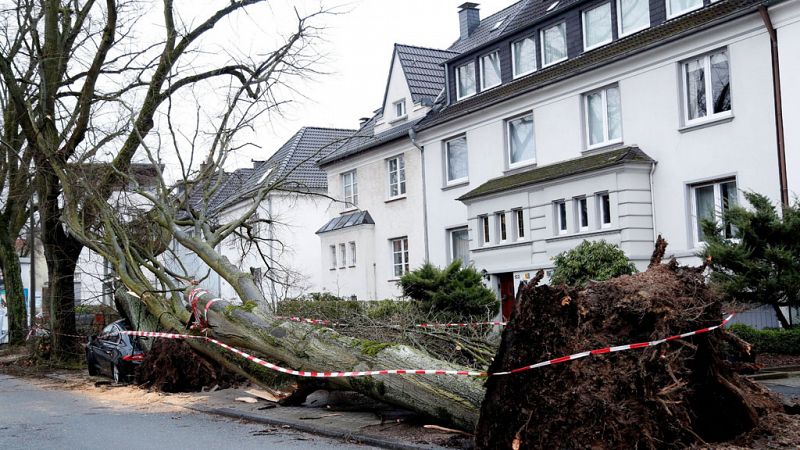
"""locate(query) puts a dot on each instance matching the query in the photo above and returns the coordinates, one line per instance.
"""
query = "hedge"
(770, 340)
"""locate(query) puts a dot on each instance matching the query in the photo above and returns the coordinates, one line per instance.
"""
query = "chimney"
(469, 17)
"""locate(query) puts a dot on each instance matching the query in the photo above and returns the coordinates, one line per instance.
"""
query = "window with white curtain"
(603, 117)
(396, 168)
(523, 56)
(707, 90)
(465, 80)
(597, 26)
(678, 7)
(350, 188)
(490, 70)
(456, 160)
(709, 202)
(459, 245)
(632, 16)
(554, 44)
(400, 265)
(521, 146)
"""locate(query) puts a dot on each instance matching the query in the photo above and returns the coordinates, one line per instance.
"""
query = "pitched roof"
(230, 185)
(652, 37)
(487, 30)
(424, 70)
(630, 154)
(347, 221)
(365, 139)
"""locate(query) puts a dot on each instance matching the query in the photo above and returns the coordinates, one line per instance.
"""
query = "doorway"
(506, 285)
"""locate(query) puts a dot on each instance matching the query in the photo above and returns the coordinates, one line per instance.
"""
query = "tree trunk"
(15, 297)
(781, 318)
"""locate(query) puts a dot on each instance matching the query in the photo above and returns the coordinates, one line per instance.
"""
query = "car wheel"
(90, 364)
(115, 374)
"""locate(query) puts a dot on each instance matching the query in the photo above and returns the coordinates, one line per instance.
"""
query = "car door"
(107, 344)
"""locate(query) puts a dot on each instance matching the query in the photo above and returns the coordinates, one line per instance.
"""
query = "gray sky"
(358, 51)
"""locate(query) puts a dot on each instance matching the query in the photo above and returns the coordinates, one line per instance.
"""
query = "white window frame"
(514, 60)
(482, 67)
(562, 221)
(332, 248)
(342, 255)
(620, 33)
(602, 209)
(717, 183)
(671, 14)
(542, 43)
(610, 26)
(485, 228)
(352, 253)
(501, 222)
(580, 203)
(404, 265)
(524, 162)
(401, 176)
(518, 217)
(450, 234)
(400, 109)
(606, 140)
(464, 179)
(459, 95)
(710, 115)
(353, 200)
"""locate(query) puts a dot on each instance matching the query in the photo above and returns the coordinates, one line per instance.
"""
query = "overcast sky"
(358, 52)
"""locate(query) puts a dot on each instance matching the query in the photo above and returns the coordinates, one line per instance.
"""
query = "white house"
(606, 119)
(376, 232)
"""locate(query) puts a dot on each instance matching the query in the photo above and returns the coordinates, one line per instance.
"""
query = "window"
(456, 156)
(707, 89)
(342, 256)
(490, 70)
(597, 26)
(352, 254)
(582, 206)
(603, 117)
(397, 176)
(485, 229)
(678, 7)
(400, 256)
(350, 187)
(632, 16)
(561, 217)
(710, 203)
(519, 217)
(333, 257)
(400, 108)
(459, 245)
(521, 145)
(554, 44)
(523, 57)
(501, 225)
(465, 80)
(604, 206)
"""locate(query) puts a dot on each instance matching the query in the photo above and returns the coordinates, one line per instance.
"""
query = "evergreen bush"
(455, 290)
(590, 261)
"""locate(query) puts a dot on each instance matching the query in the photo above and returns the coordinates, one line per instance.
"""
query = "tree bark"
(15, 296)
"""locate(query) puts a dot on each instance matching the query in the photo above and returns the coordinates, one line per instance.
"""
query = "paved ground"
(788, 387)
(35, 418)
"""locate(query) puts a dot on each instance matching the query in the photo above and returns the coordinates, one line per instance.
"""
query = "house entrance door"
(506, 282)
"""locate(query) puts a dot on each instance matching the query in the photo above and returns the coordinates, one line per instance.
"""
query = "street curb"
(363, 439)
(792, 368)
(769, 376)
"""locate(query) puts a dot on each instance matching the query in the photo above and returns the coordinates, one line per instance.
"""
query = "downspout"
(413, 136)
(653, 201)
(777, 97)
(272, 290)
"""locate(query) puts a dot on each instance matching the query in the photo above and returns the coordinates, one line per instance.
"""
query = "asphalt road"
(35, 418)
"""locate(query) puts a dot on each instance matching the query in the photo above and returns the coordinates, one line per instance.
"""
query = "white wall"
(346, 279)
(787, 23)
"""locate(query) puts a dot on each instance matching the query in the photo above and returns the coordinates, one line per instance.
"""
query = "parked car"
(114, 354)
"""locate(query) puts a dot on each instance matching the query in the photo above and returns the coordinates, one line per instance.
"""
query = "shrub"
(771, 340)
(590, 261)
(455, 290)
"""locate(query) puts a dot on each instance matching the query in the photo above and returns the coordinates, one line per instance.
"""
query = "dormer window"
(597, 26)
(490, 70)
(678, 7)
(632, 16)
(523, 56)
(400, 109)
(465, 80)
(554, 44)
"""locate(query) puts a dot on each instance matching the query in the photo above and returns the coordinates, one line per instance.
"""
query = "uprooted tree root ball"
(679, 394)
(172, 366)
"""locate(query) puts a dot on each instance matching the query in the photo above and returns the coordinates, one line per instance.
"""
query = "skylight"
(498, 24)
(264, 177)
(553, 6)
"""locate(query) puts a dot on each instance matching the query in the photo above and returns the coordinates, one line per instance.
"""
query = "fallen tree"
(672, 396)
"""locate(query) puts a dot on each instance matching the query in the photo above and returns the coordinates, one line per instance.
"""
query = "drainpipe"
(777, 96)
(653, 201)
(413, 136)
(272, 290)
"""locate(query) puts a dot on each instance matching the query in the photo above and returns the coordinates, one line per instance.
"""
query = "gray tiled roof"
(294, 164)
(423, 70)
(629, 154)
(365, 139)
(346, 221)
(484, 32)
(230, 185)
